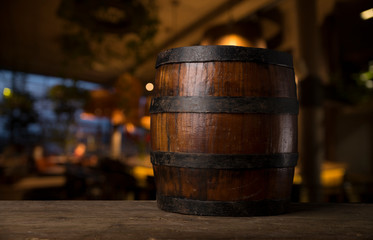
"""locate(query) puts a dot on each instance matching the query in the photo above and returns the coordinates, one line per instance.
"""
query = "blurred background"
(76, 77)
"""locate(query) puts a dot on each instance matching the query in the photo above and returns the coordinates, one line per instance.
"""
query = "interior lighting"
(87, 116)
(117, 117)
(7, 92)
(367, 14)
(80, 150)
(233, 40)
(142, 173)
(130, 128)
(149, 87)
(145, 122)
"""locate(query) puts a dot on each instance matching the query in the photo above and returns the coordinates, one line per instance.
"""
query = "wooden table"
(143, 220)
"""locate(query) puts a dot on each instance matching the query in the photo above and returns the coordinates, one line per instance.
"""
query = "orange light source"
(145, 122)
(149, 87)
(87, 116)
(117, 117)
(130, 128)
(79, 150)
(244, 34)
(233, 39)
(367, 14)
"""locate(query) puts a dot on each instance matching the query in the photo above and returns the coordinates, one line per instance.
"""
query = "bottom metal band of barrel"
(222, 208)
(223, 161)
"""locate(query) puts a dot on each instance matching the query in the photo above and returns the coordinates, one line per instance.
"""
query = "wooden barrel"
(224, 130)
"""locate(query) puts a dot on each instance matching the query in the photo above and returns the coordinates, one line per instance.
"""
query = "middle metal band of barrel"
(211, 104)
(224, 161)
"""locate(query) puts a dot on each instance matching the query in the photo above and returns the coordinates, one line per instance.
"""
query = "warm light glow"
(331, 175)
(130, 128)
(149, 87)
(367, 14)
(145, 122)
(87, 116)
(297, 177)
(233, 39)
(7, 92)
(297, 85)
(80, 150)
(141, 174)
(117, 117)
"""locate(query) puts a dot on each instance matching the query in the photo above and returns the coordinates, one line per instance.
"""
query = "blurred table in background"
(40, 182)
(143, 220)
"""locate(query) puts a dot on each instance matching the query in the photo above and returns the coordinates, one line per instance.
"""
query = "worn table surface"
(143, 220)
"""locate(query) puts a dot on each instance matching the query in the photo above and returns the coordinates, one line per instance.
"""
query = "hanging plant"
(93, 21)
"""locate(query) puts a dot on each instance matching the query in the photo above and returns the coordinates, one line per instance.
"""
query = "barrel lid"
(222, 54)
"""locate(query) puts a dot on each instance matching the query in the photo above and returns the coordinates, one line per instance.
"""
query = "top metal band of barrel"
(211, 104)
(224, 54)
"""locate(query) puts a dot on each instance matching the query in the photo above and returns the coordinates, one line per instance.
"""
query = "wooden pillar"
(310, 94)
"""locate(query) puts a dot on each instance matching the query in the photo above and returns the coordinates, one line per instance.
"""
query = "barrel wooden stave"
(224, 185)
(224, 79)
(224, 133)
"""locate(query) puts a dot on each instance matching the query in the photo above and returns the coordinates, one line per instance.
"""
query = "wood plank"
(143, 220)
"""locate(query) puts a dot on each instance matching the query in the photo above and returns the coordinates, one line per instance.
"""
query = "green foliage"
(92, 21)
(67, 99)
(19, 113)
(19, 107)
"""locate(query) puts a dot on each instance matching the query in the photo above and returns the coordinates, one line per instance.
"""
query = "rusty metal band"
(211, 104)
(224, 161)
(222, 208)
(223, 54)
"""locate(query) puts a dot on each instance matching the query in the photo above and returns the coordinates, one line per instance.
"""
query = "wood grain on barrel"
(224, 133)
(184, 132)
(224, 185)
(224, 79)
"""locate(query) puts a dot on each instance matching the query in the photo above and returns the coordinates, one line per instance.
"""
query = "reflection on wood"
(260, 133)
